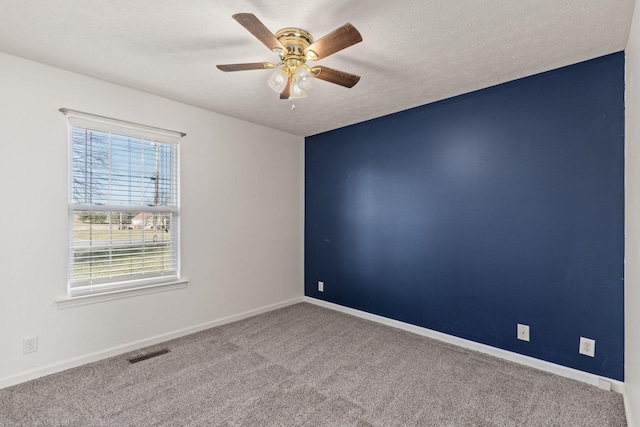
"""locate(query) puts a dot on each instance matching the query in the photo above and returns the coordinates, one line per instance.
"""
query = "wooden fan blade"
(286, 92)
(335, 76)
(259, 30)
(335, 41)
(245, 67)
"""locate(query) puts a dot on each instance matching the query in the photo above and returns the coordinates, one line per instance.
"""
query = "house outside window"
(123, 205)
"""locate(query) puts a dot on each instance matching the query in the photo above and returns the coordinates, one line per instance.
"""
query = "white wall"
(632, 226)
(242, 221)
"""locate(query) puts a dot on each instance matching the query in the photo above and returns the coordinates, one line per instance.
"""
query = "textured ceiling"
(414, 51)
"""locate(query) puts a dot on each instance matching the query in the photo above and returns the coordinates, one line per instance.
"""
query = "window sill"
(68, 302)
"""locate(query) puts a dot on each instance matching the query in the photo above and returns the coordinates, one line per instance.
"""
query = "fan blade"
(286, 92)
(335, 41)
(245, 67)
(259, 30)
(335, 76)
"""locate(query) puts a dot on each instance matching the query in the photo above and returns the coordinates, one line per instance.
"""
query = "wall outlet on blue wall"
(587, 346)
(523, 332)
(321, 286)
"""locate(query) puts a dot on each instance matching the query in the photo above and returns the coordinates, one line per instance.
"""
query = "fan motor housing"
(296, 40)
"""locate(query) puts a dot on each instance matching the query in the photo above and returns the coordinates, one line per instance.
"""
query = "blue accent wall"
(475, 213)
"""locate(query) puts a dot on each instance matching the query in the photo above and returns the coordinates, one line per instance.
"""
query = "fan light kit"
(292, 77)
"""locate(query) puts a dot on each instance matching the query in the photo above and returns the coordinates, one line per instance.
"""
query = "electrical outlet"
(30, 345)
(523, 332)
(587, 347)
(320, 286)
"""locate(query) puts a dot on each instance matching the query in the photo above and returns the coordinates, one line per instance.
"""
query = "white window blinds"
(123, 205)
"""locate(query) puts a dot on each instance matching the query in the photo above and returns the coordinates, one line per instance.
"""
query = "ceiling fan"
(292, 76)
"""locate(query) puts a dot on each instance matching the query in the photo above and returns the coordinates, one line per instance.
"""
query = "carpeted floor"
(308, 366)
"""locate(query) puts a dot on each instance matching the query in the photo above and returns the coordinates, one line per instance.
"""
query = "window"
(123, 205)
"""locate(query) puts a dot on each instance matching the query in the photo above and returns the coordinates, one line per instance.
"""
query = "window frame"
(166, 278)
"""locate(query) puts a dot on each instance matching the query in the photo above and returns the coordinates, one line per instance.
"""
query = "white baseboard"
(553, 368)
(627, 407)
(114, 351)
(542, 365)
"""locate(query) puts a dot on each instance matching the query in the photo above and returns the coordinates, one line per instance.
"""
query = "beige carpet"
(308, 366)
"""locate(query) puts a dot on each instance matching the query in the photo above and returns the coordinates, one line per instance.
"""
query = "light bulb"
(296, 91)
(303, 78)
(278, 80)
